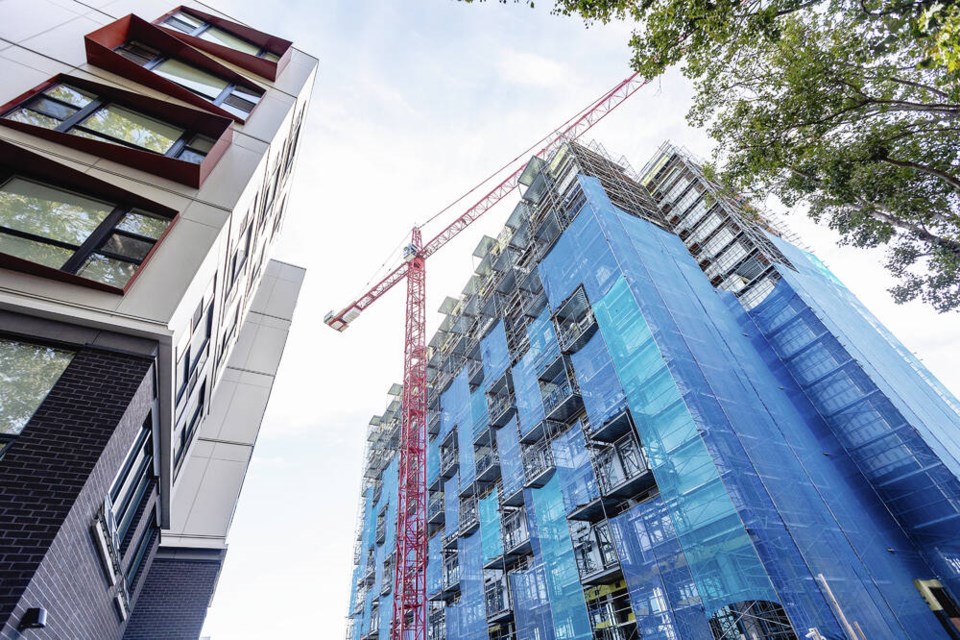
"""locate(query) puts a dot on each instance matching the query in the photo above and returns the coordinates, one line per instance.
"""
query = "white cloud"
(533, 70)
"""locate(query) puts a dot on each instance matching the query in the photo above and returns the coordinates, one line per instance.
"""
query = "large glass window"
(69, 109)
(132, 485)
(74, 233)
(27, 374)
(231, 96)
(194, 26)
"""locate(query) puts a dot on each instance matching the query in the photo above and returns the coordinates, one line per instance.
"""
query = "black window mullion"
(94, 240)
(149, 66)
(80, 115)
(134, 235)
(180, 144)
(42, 239)
(119, 257)
(204, 27)
(225, 93)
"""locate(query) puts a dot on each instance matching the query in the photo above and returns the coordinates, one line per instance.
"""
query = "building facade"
(653, 416)
(145, 160)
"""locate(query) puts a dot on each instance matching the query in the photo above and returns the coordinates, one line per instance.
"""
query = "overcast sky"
(417, 101)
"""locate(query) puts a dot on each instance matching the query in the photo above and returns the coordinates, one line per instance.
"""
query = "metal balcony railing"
(469, 514)
(451, 572)
(435, 507)
(538, 464)
(515, 532)
(449, 461)
(497, 597)
(557, 395)
(500, 407)
(571, 331)
(622, 467)
(487, 463)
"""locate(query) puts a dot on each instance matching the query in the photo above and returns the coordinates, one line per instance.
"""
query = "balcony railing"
(451, 572)
(560, 400)
(516, 536)
(469, 515)
(488, 464)
(449, 461)
(538, 464)
(594, 551)
(435, 508)
(622, 468)
(501, 407)
(573, 334)
(497, 597)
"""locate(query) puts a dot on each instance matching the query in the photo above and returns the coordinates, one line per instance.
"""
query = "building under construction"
(651, 415)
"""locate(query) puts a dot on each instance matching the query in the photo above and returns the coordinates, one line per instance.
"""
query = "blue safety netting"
(473, 616)
(433, 460)
(511, 465)
(565, 593)
(451, 504)
(527, 393)
(435, 564)
(602, 394)
(491, 534)
(575, 475)
(494, 352)
(531, 604)
(478, 412)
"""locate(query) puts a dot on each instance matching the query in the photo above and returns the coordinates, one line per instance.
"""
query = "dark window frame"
(95, 243)
(262, 66)
(101, 51)
(205, 26)
(159, 57)
(218, 128)
(75, 121)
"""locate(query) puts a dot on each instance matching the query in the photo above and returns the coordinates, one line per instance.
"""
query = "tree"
(850, 106)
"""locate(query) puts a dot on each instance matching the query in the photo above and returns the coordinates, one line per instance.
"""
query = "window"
(194, 26)
(233, 97)
(133, 482)
(63, 230)
(27, 374)
(79, 112)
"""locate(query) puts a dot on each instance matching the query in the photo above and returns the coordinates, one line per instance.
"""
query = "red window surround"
(188, 173)
(100, 45)
(261, 67)
(31, 165)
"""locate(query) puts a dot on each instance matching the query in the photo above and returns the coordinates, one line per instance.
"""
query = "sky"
(415, 103)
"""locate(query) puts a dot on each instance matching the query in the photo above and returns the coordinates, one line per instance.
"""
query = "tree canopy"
(850, 106)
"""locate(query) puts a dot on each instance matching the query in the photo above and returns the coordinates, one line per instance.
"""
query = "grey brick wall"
(52, 482)
(174, 599)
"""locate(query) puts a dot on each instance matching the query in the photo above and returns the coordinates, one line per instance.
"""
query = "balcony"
(613, 429)
(469, 515)
(451, 572)
(496, 593)
(500, 401)
(559, 391)
(435, 508)
(575, 322)
(622, 469)
(449, 456)
(474, 371)
(437, 629)
(538, 464)
(593, 548)
(488, 463)
(386, 578)
(433, 422)
(516, 536)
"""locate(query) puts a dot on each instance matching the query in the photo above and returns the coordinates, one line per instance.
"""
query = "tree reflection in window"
(74, 233)
(27, 374)
(67, 109)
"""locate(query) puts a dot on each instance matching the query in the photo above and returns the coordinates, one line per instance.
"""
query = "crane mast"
(410, 586)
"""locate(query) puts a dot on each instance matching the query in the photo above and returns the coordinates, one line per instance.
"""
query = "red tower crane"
(410, 585)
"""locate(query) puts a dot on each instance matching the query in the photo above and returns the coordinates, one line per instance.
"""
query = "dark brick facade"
(174, 599)
(52, 483)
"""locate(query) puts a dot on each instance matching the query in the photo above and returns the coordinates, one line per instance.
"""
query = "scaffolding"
(545, 509)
